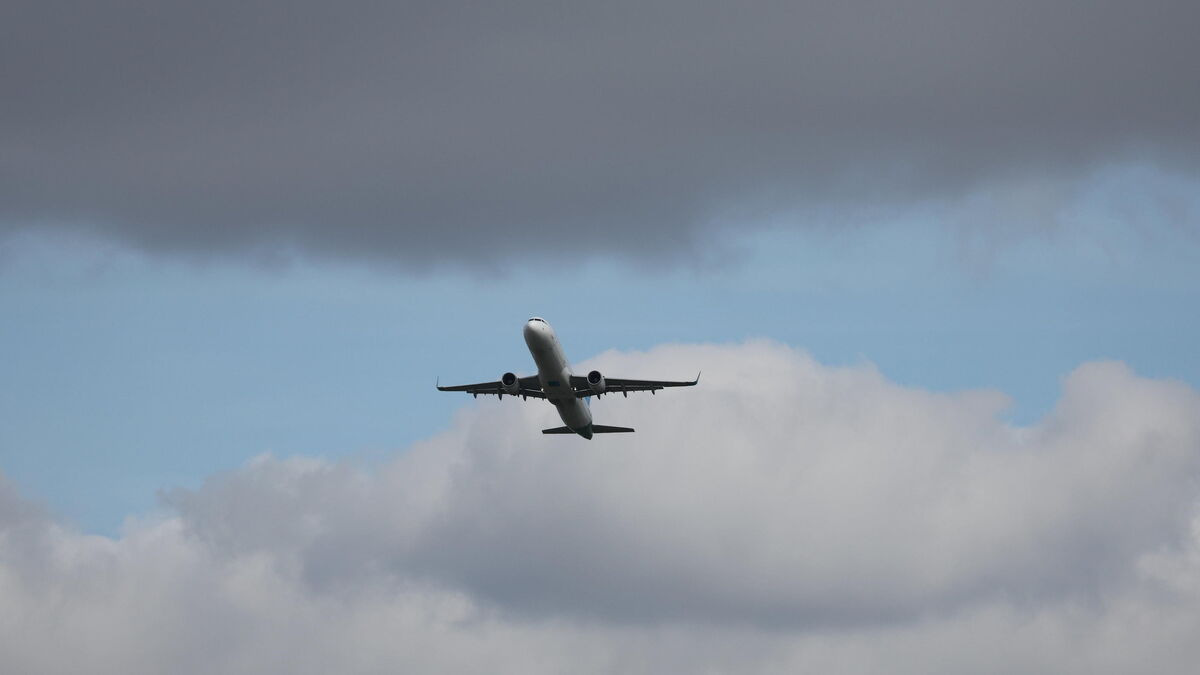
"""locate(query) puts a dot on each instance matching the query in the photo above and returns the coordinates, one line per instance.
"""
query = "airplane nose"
(532, 332)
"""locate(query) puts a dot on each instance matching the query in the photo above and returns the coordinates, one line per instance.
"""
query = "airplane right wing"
(615, 384)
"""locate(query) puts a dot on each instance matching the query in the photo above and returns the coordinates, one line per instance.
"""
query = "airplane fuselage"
(554, 374)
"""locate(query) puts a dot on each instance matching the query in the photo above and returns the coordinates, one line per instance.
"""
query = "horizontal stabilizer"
(596, 429)
(601, 429)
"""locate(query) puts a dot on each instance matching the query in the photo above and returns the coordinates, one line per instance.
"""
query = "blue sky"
(130, 374)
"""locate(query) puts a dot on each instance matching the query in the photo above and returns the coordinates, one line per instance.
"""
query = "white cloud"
(782, 515)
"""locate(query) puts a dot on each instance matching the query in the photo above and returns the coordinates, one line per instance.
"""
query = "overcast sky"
(937, 260)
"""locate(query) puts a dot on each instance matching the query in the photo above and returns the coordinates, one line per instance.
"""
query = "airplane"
(555, 383)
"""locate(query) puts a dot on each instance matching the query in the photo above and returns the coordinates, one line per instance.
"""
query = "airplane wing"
(528, 386)
(614, 384)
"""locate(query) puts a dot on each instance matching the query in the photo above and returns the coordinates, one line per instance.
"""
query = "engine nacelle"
(508, 382)
(596, 382)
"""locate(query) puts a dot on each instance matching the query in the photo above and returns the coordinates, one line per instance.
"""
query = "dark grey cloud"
(440, 131)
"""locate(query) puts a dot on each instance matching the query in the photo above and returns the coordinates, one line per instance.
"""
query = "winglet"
(697, 380)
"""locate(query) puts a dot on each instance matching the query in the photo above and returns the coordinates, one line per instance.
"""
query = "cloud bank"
(431, 132)
(784, 515)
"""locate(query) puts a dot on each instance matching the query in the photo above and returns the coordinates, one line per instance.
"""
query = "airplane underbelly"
(555, 378)
(574, 413)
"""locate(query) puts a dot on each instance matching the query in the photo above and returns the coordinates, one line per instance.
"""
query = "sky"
(937, 263)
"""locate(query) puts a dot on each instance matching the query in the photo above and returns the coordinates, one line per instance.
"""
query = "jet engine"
(596, 382)
(509, 383)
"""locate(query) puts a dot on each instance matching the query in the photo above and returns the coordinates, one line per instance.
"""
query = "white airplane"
(555, 383)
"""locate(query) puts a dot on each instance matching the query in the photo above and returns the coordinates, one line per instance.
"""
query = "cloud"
(452, 132)
(783, 515)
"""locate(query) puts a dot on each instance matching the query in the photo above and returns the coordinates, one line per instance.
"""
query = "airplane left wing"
(614, 384)
(526, 386)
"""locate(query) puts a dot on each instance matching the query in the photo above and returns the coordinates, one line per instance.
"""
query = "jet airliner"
(555, 383)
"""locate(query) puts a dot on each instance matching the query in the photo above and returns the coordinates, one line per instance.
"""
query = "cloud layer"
(783, 515)
(449, 131)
